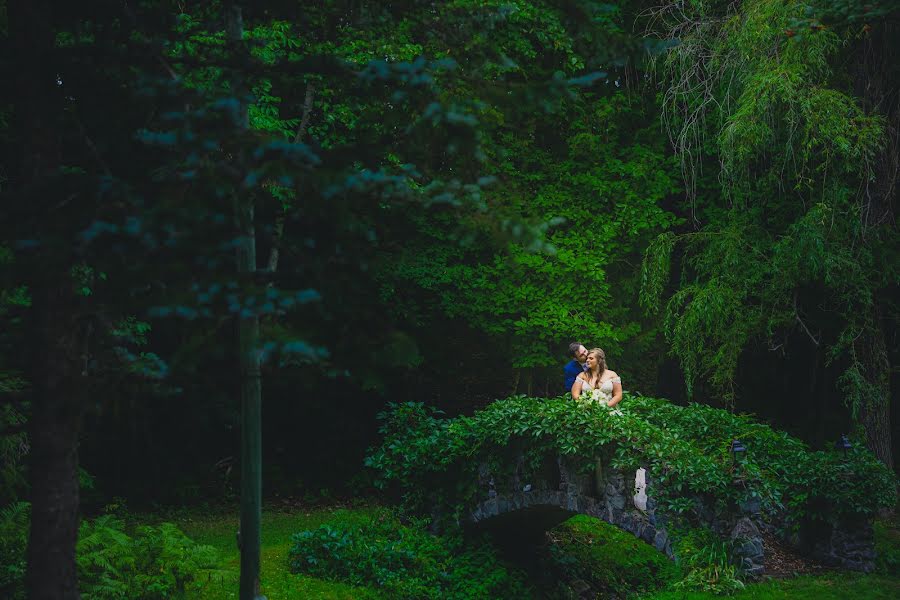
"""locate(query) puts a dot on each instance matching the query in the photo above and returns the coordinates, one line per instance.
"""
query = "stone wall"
(848, 543)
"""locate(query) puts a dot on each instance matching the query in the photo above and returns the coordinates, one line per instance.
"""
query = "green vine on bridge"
(686, 450)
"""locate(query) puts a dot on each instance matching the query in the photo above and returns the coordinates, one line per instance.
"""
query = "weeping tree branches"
(693, 73)
(798, 223)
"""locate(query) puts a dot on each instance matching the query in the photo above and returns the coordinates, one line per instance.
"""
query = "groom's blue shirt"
(572, 370)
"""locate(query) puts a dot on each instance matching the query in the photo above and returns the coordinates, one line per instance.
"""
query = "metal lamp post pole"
(248, 350)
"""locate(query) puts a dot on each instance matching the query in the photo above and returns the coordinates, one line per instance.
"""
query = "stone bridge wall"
(559, 490)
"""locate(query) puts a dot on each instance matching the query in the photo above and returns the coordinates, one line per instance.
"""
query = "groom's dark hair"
(573, 348)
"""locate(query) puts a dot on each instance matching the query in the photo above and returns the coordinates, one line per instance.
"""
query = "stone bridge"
(556, 491)
(527, 464)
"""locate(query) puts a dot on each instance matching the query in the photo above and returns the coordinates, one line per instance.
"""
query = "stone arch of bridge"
(541, 501)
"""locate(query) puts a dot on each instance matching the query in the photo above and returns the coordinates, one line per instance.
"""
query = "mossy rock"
(610, 561)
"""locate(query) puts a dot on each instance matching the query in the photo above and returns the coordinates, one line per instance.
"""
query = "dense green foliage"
(151, 562)
(402, 560)
(591, 164)
(685, 449)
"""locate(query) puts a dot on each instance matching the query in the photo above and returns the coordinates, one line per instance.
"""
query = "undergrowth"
(705, 563)
(148, 563)
(403, 560)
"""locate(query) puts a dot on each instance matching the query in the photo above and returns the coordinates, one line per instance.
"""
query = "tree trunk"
(875, 412)
(877, 86)
(54, 427)
(56, 406)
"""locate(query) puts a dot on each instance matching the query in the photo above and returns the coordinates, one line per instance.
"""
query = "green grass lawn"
(836, 586)
(277, 582)
(218, 530)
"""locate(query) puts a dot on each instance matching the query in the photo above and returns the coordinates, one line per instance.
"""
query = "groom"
(579, 354)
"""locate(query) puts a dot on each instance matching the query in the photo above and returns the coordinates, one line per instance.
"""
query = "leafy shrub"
(706, 563)
(13, 542)
(612, 562)
(403, 560)
(158, 562)
(887, 545)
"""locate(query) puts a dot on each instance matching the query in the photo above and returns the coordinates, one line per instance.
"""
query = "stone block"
(648, 533)
(750, 506)
(597, 510)
(755, 572)
(745, 528)
(476, 514)
(750, 549)
(661, 540)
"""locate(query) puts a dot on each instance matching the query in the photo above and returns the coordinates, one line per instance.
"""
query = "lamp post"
(843, 445)
(750, 505)
(737, 450)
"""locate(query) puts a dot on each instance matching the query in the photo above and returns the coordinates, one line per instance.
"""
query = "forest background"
(442, 196)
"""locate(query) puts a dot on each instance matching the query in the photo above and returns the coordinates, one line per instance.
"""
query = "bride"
(598, 383)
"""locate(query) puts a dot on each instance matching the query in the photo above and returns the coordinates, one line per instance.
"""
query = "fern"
(14, 521)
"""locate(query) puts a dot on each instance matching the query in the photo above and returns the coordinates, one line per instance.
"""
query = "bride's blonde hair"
(601, 360)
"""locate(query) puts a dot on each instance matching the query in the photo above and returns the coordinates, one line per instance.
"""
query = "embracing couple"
(587, 376)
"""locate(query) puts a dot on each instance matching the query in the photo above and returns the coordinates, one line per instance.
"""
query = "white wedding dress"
(601, 395)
